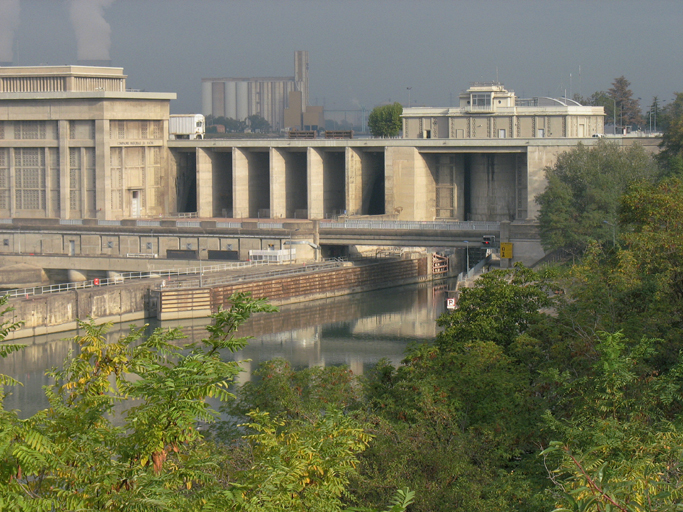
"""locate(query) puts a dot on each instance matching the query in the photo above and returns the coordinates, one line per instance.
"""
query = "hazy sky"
(365, 52)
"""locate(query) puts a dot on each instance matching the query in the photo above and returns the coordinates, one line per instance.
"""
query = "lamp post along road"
(467, 251)
(614, 232)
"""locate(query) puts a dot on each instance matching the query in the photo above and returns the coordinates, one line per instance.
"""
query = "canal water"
(357, 330)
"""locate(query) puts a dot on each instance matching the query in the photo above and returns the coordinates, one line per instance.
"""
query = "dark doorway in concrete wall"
(186, 180)
(296, 185)
(334, 183)
(222, 184)
(334, 251)
(259, 184)
(373, 184)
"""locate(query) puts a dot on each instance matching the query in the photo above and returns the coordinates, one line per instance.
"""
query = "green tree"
(73, 456)
(231, 125)
(457, 420)
(619, 448)
(385, 121)
(499, 308)
(671, 123)
(258, 124)
(627, 107)
(581, 200)
(654, 115)
(654, 216)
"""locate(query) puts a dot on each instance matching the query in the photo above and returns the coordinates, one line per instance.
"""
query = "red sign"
(96, 281)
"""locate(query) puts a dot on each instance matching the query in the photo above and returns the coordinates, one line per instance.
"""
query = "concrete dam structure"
(412, 180)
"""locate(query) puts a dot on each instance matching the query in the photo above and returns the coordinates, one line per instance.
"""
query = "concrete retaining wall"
(58, 312)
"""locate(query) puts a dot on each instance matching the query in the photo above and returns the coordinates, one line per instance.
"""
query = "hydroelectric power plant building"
(75, 144)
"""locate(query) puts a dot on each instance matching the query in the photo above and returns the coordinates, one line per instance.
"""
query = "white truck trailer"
(186, 126)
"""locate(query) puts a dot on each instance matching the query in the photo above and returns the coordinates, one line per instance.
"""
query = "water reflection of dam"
(357, 330)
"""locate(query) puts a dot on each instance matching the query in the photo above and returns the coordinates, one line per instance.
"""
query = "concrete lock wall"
(492, 187)
(240, 183)
(44, 314)
(278, 180)
(409, 184)
(314, 158)
(57, 312)
(99, 248)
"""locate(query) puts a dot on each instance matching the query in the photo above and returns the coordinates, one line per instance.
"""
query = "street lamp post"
(201, 268)
(467, 251)
(650, 113)
(614, 232)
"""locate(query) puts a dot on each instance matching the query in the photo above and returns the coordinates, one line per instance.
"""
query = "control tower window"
(481, 100)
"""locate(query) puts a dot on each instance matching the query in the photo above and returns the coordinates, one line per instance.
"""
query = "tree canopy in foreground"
(158, 457)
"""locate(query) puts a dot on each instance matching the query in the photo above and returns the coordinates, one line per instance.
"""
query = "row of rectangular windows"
(47, 130)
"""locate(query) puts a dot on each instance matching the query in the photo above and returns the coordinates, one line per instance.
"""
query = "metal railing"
(413, 225)
(127, 276)
(475, 270)
(203, 281)
(334, 224)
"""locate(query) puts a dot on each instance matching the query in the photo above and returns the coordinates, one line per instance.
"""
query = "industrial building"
(488, 111)
(279, 100)
(74, 144)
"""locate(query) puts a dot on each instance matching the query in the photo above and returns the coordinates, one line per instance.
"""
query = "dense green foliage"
(74, 456)
(671, 120)
(581, 200)
(385, 121)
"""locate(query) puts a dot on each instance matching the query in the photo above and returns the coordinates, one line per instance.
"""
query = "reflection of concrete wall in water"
(28, 366)
(355, 330)
(420, 325)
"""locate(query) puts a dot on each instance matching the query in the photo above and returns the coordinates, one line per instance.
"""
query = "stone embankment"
(130, 301)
